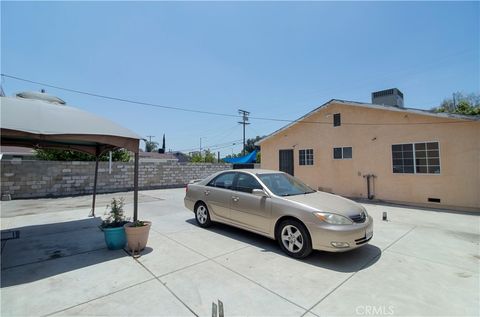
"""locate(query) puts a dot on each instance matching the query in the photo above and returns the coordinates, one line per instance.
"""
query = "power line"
(213, 146)
(222, 114)
(222, 133)
(223, 147)
(120, 99)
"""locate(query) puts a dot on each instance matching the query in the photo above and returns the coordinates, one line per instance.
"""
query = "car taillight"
(186, 188)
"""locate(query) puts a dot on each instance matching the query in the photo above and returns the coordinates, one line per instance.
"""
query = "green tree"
(464, 107)
(151, 146)
(461, 104)
(196, 158)
(207, 157)
(250, 144)
(233, 155)
(120, 155)
(258, 158)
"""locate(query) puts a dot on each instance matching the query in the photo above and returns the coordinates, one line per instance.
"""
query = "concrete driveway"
(420, 262)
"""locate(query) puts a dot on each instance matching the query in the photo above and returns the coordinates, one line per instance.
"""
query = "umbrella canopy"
(39, 120)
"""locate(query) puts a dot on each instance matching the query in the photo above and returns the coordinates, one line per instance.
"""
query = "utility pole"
(149, 142)
(200, 147)
(244, 122)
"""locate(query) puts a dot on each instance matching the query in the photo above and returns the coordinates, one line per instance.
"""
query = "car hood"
(328, 203)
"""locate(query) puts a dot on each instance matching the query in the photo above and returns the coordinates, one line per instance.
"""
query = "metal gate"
(286, 161)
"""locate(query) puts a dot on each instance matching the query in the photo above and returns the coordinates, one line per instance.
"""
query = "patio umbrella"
(39, 120)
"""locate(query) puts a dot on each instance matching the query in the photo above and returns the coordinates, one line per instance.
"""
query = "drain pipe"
(368, 176)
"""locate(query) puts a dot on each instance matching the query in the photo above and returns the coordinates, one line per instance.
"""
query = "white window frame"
(415, 158)
(306, 156)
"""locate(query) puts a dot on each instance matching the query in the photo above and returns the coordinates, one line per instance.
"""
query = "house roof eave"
(370, 106)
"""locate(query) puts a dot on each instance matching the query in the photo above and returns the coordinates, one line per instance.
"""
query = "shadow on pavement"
(47, 250)
(345, 262)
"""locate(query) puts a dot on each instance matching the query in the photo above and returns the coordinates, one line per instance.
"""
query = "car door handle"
(235, 198)
(207, 192)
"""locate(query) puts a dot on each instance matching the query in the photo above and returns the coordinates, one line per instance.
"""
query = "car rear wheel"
(202, 215)
(294, 239)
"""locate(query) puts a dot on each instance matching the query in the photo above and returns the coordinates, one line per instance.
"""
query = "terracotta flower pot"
(137, 237)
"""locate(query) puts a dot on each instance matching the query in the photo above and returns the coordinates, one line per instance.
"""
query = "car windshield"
(282, 184)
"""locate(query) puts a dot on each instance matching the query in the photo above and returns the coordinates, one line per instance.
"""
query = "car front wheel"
(294, 239)
(202, 215)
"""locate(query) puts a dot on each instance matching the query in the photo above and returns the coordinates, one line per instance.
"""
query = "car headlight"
(333, 219)
(365, 211)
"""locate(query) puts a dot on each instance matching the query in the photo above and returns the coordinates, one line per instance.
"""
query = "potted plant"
(112, 226)
(137, 235)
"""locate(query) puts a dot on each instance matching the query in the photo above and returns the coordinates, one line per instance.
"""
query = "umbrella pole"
(135, 189)
(95, 185)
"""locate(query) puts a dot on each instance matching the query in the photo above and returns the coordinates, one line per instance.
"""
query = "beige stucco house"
(415, 156)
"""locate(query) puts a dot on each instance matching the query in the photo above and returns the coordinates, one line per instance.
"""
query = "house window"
(337, 120)
(306, 157)
(427, 158)
(419, 158)
(402, 157)
(342, 153)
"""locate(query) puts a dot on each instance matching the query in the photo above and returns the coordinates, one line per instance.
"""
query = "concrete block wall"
(35, 179)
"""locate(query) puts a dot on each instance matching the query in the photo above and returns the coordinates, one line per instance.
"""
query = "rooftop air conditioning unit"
(388, 97)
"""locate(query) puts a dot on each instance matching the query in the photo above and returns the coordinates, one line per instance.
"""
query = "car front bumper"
(340, 238)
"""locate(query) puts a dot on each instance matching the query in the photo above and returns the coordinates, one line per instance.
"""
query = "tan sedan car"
(281, 207)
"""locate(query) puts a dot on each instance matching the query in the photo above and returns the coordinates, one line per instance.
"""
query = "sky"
(273, 59)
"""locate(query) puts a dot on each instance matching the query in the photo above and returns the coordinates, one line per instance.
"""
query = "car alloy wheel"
(292, 238)
(202, 216)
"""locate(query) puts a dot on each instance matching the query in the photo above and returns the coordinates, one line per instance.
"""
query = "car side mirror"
(259, 193)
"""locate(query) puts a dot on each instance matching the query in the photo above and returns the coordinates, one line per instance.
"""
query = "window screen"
(347, 152)
(420, 158)
(427, 158)
(342, 152)
(402, 156)
(337, 153)
(337, 120)
(306, 157)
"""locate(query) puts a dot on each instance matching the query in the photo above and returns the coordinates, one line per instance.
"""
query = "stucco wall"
(457, 185)
(31, 179)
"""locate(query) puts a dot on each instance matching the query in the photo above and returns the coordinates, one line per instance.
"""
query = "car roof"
(253, 171)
